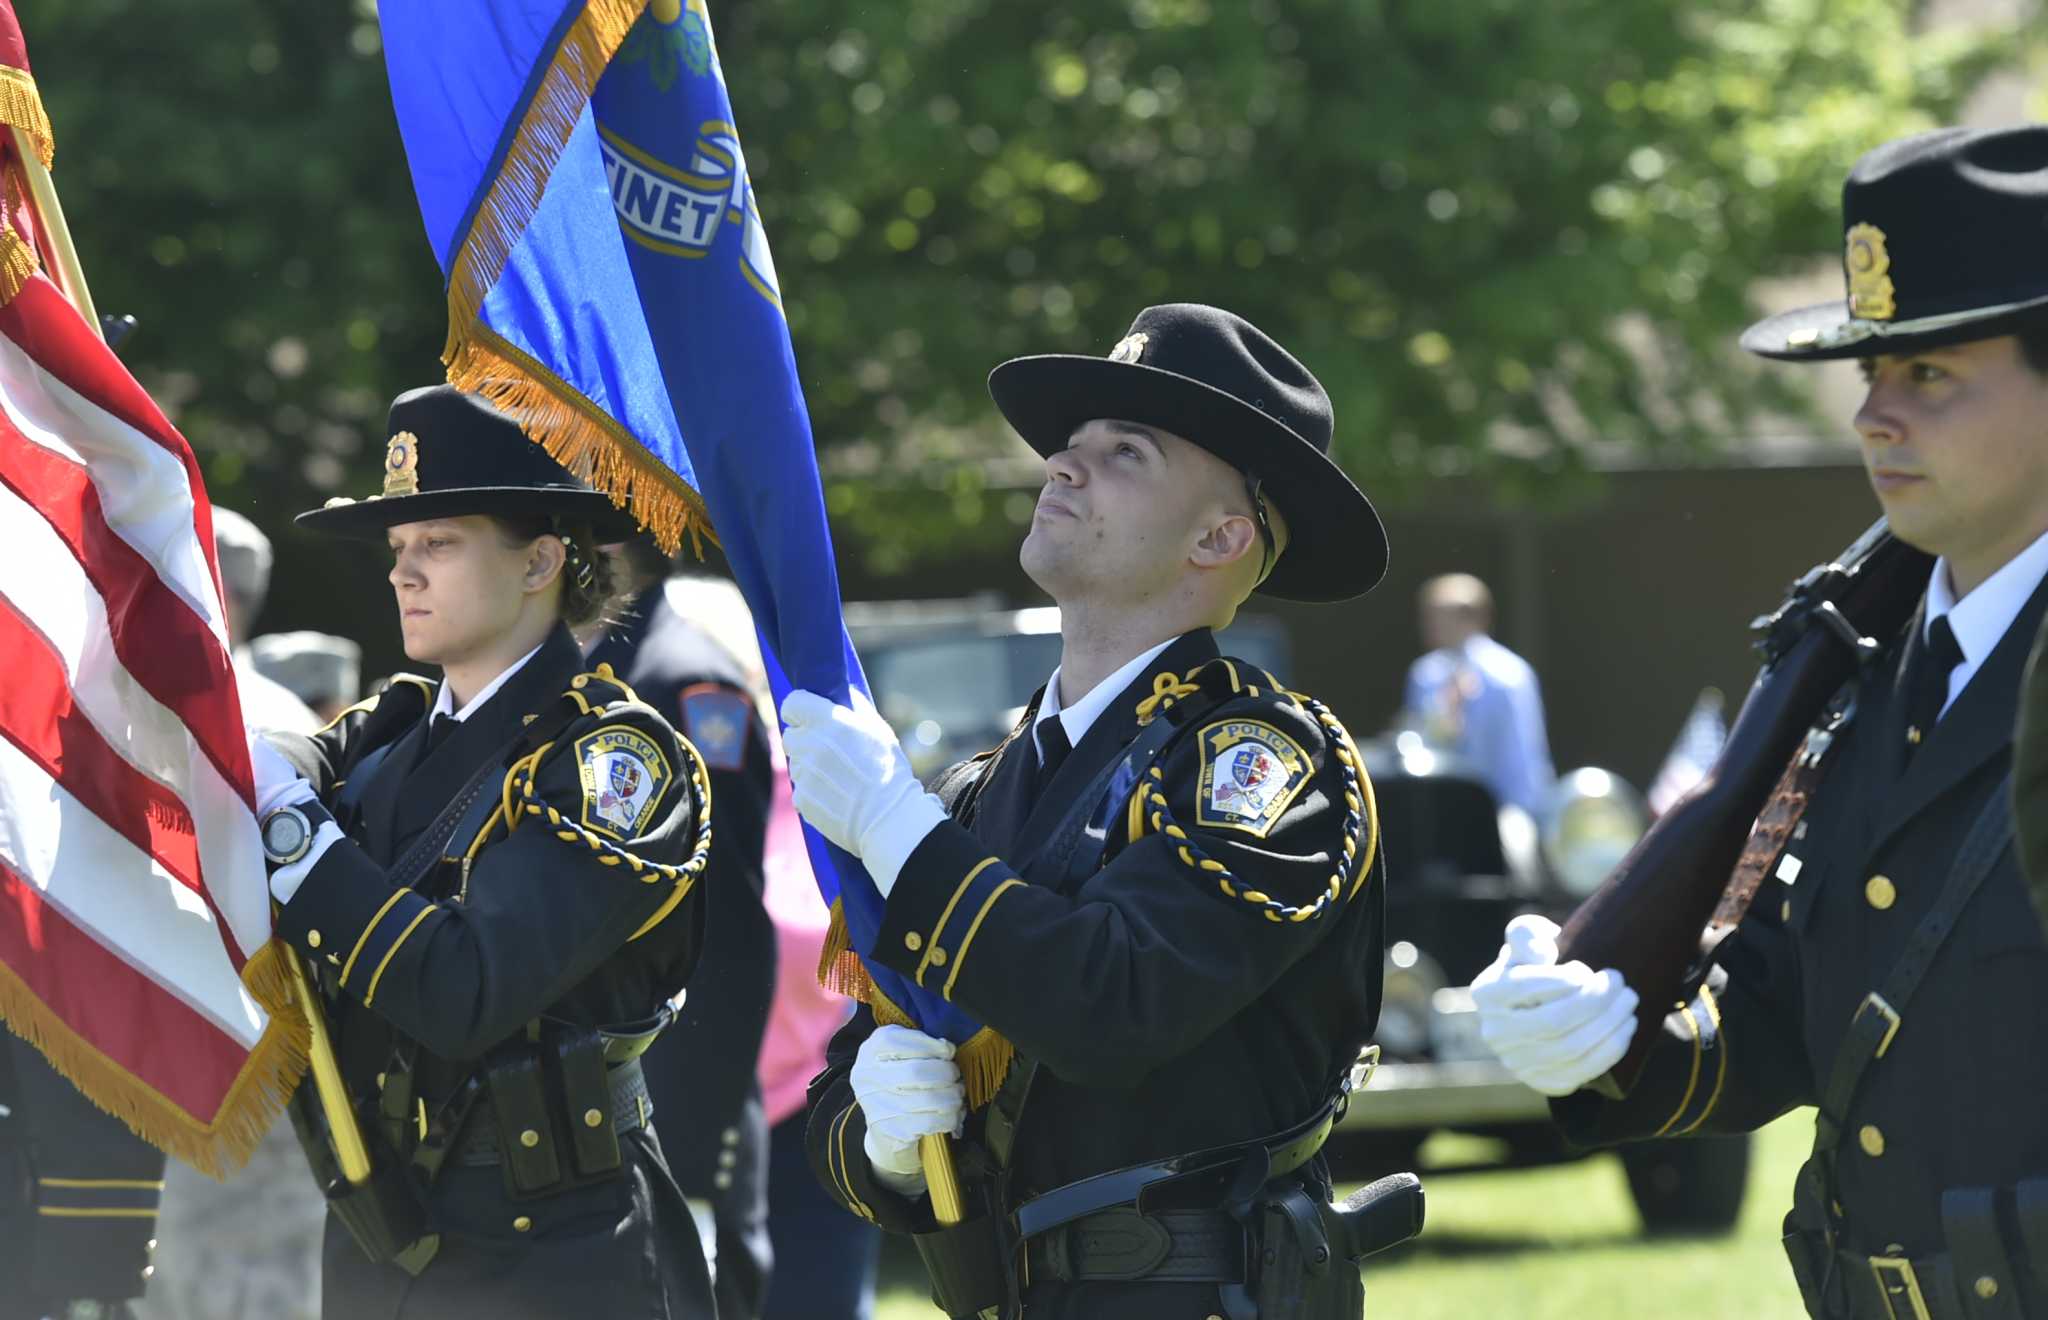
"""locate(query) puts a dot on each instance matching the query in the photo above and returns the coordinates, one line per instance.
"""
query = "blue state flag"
(580, 173)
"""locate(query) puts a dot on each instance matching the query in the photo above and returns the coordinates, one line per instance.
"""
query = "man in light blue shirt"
(1472, 695)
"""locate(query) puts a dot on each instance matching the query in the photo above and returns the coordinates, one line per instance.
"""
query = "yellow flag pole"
(56, 235)
(350, 1151)
(939, 1178)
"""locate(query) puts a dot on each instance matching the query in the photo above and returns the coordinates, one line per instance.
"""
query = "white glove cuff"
(910, 1186)
(890, 840)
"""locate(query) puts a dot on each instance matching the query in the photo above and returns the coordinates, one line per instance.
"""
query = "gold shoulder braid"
(518, 802)
(1361, 825)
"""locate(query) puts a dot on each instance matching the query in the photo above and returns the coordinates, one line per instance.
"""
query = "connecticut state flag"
(580, 173)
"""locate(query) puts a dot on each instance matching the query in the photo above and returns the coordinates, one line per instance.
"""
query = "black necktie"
(438, 732)
(1052, 749)
(1927, 685)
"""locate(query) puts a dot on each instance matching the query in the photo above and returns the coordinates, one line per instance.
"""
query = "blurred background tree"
(1506, 235)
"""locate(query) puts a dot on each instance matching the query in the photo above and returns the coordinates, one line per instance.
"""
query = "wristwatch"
(287, 836)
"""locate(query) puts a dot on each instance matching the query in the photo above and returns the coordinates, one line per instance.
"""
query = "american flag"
(1693, 753)
(134, 914)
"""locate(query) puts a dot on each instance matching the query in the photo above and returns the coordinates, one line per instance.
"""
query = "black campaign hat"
(452, 454)
(1216, 380)
(1945, 239)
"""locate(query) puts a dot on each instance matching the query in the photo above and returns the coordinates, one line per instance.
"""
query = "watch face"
(285, 835)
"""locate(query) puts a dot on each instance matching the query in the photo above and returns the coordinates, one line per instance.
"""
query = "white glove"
(278, 783)
(908, 1087)
(849, 778)
(1555, 1027)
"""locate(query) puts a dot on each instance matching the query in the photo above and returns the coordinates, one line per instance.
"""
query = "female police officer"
(494, 877)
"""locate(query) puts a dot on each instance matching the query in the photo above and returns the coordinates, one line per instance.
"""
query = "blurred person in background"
(318, 668)
(829, 1257)
(78, 1198)
(1470, 694)
(686, 646)
(245, 562)
(247, 1248)
(1199, 974)
(1890, 970)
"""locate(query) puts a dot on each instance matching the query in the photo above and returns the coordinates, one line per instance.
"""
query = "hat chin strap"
(1858, 329)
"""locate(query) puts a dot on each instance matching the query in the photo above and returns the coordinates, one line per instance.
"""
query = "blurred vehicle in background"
(1460, 867)
(951, 676)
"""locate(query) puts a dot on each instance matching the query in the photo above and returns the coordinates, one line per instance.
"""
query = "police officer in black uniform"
(1163, 888)
(496, 880)
(78, 1198)
(701, 1072)
(1890, 971)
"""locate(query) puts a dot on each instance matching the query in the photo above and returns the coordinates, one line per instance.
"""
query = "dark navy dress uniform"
(537, 927)
(1927, 1194)
(1202, 987)
(701, 1072)
(78, 1195)
(498, 938)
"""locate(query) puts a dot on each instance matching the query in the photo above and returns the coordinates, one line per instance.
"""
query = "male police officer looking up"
(1200, 970)
(1927, 1194)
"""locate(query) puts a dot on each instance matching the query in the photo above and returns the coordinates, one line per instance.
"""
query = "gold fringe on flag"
(543, 132)
(576, 434)
(21, 106)
(983, 1058)
(581, 438)
(18, 261)
(254, 1101)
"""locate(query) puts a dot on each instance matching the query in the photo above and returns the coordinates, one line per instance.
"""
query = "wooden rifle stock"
(1647, 919)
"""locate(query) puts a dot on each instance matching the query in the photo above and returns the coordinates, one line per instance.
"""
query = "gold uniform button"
(521, 1224)
(913, 941)
(593, 1117)
(1871, 1139)
(1785, 910)
(938, 956)
(312, 939)
(1912, 735)
(1986, 1287)
(529, 1138)
(1880, 892)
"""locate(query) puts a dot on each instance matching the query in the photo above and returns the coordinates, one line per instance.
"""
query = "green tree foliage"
(1501, 232)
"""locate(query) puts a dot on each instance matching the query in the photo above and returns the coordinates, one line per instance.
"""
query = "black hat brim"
(1336, 546)
(1813, 326)
(367, 519)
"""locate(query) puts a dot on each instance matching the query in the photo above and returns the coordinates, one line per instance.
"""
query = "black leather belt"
(631, 1108)
(1122, 1245)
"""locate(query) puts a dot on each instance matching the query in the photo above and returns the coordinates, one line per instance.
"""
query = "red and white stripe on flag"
(134, 911)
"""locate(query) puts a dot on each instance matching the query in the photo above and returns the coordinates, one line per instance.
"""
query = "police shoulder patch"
(1251, 773)
(624, 776)
(715, 721)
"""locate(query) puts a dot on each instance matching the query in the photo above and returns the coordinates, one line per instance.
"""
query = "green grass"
(1559, 1243)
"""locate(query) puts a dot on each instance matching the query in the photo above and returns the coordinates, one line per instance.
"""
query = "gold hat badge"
(1869, 267)
(1130, 348)
(402, 465)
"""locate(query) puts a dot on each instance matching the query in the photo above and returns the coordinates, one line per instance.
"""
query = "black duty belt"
(1286, 1152)
(1122, 1245)
(631, 1108)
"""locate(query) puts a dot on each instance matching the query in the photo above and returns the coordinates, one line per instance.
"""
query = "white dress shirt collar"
(1079, 717)
(1980, 619)
(444, 700)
